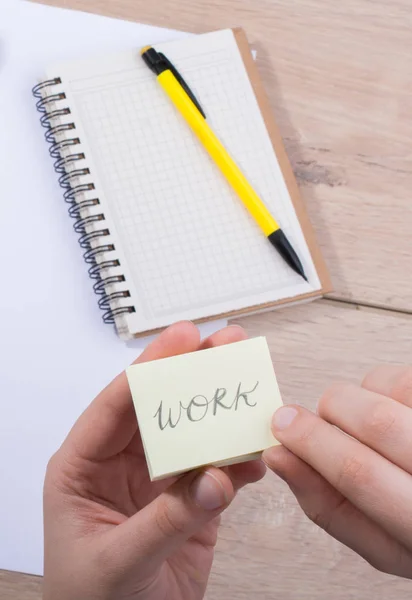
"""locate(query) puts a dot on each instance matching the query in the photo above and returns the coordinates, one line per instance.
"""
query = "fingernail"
(207, 492)
(185, 322)
(270, 462)
(283, 417)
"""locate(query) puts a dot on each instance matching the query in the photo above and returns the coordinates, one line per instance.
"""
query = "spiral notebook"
(164, 236)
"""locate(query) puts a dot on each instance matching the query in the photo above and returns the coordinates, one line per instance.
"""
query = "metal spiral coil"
(94, 270)
(71, 184)
(60, 163)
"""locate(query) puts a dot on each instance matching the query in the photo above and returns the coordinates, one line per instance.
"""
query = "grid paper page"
(189, 249)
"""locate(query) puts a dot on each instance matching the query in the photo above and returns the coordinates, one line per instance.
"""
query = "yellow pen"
(184, 100)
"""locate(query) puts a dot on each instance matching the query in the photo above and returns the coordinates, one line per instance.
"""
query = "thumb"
(160, 528)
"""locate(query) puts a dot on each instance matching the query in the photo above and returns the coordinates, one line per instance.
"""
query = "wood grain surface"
(16, 586)
(268, 548)
(339, 78)
(340, 83)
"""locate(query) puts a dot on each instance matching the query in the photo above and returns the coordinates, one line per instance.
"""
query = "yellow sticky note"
(212, 407)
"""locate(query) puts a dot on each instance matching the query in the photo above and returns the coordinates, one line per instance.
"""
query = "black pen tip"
(285, 249)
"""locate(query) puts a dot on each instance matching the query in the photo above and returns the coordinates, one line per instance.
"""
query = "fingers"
(109, 423)
(375, 420)
(228, 335)
(154, 533)
(331, 511)
(391, 381)
(378, 488)
(243, 474)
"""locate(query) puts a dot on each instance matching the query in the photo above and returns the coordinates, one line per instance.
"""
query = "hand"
(111, 534)
(350, 466)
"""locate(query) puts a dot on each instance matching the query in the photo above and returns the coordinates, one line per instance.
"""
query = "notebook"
(164, 236)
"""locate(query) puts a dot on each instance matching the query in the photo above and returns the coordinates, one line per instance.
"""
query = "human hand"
(111, 534)
(350, 466)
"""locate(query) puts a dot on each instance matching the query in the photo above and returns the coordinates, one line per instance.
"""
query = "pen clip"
(183, 83)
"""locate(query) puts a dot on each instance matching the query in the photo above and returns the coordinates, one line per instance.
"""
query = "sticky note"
(212, 407)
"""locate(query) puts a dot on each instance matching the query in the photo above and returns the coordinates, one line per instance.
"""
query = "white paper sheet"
(49, 320)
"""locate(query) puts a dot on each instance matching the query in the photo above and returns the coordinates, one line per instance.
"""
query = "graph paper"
(187, 245)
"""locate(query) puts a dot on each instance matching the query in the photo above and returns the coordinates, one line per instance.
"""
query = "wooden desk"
(340, 82)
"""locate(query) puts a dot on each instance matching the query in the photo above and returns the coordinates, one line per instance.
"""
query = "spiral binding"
(63, 149)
